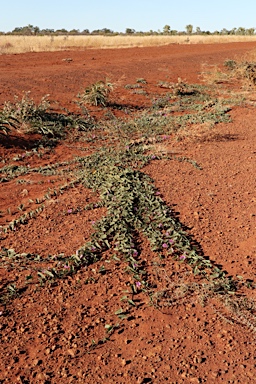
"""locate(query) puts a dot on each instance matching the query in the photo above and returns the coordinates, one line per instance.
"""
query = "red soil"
(47, 332)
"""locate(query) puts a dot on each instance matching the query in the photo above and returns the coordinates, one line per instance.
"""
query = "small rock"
(72, 352)
(144, 380)
(47, 351)
(125, 362)
(196, 215)
(197, 360)
(37, 362)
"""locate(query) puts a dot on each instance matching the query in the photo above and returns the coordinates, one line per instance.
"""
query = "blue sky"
(117, 15)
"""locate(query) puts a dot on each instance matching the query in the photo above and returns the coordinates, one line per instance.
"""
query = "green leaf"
(119, 311)
(48, 273)
(215, 275)
(109, 327)
(131, 302)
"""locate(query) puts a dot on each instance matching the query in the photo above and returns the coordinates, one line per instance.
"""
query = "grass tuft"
(96, 94)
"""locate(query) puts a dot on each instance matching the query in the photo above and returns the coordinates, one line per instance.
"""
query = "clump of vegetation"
(230, 64)
(133, 86)
(26, 109)
(247, 71)
(27, 116)
(181, 88)
(243, 71)
(141, 80)
(96, 94)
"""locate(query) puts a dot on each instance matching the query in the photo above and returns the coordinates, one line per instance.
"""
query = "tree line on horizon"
(30, 30)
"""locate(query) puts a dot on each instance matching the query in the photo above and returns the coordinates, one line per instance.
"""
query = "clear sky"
(117, 15)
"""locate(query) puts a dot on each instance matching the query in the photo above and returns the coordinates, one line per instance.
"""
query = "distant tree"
(240, 31)
(106, 31)
(224, 31)
(150, 33)
(198, 30)
(61, 31)
(166, 29)
(74, 32)
(233, 31)
(189, 29)
(250, 31)
(17, 31)
(31, 30)
(36, 30)
(129, 31)
(85, 32)
(103, 31)
(47, 31)
(27, 30)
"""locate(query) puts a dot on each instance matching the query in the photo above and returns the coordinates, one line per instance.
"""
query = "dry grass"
(212, 74)
(196, 133)
(10, 44)
(240, 71)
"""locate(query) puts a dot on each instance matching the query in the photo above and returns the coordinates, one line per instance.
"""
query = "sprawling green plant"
(133, 205)
(26, 108)
(26, 115)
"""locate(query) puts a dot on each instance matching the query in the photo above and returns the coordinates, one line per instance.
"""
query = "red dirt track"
(46, 333)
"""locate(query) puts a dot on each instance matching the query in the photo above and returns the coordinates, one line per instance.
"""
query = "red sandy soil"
(47, 332)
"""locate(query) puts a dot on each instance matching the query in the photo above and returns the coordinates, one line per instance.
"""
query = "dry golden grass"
(212, 74)
(240, 71)
(19, 44)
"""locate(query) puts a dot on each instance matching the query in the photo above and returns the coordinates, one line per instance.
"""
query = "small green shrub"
(183, 89)
(247, 71)
(26, 108)
(96, 94)
(140, 92)
(27, 116)
(141, 80)
(230, 64)
(244, 71)
(21, 112)
(132, 86)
